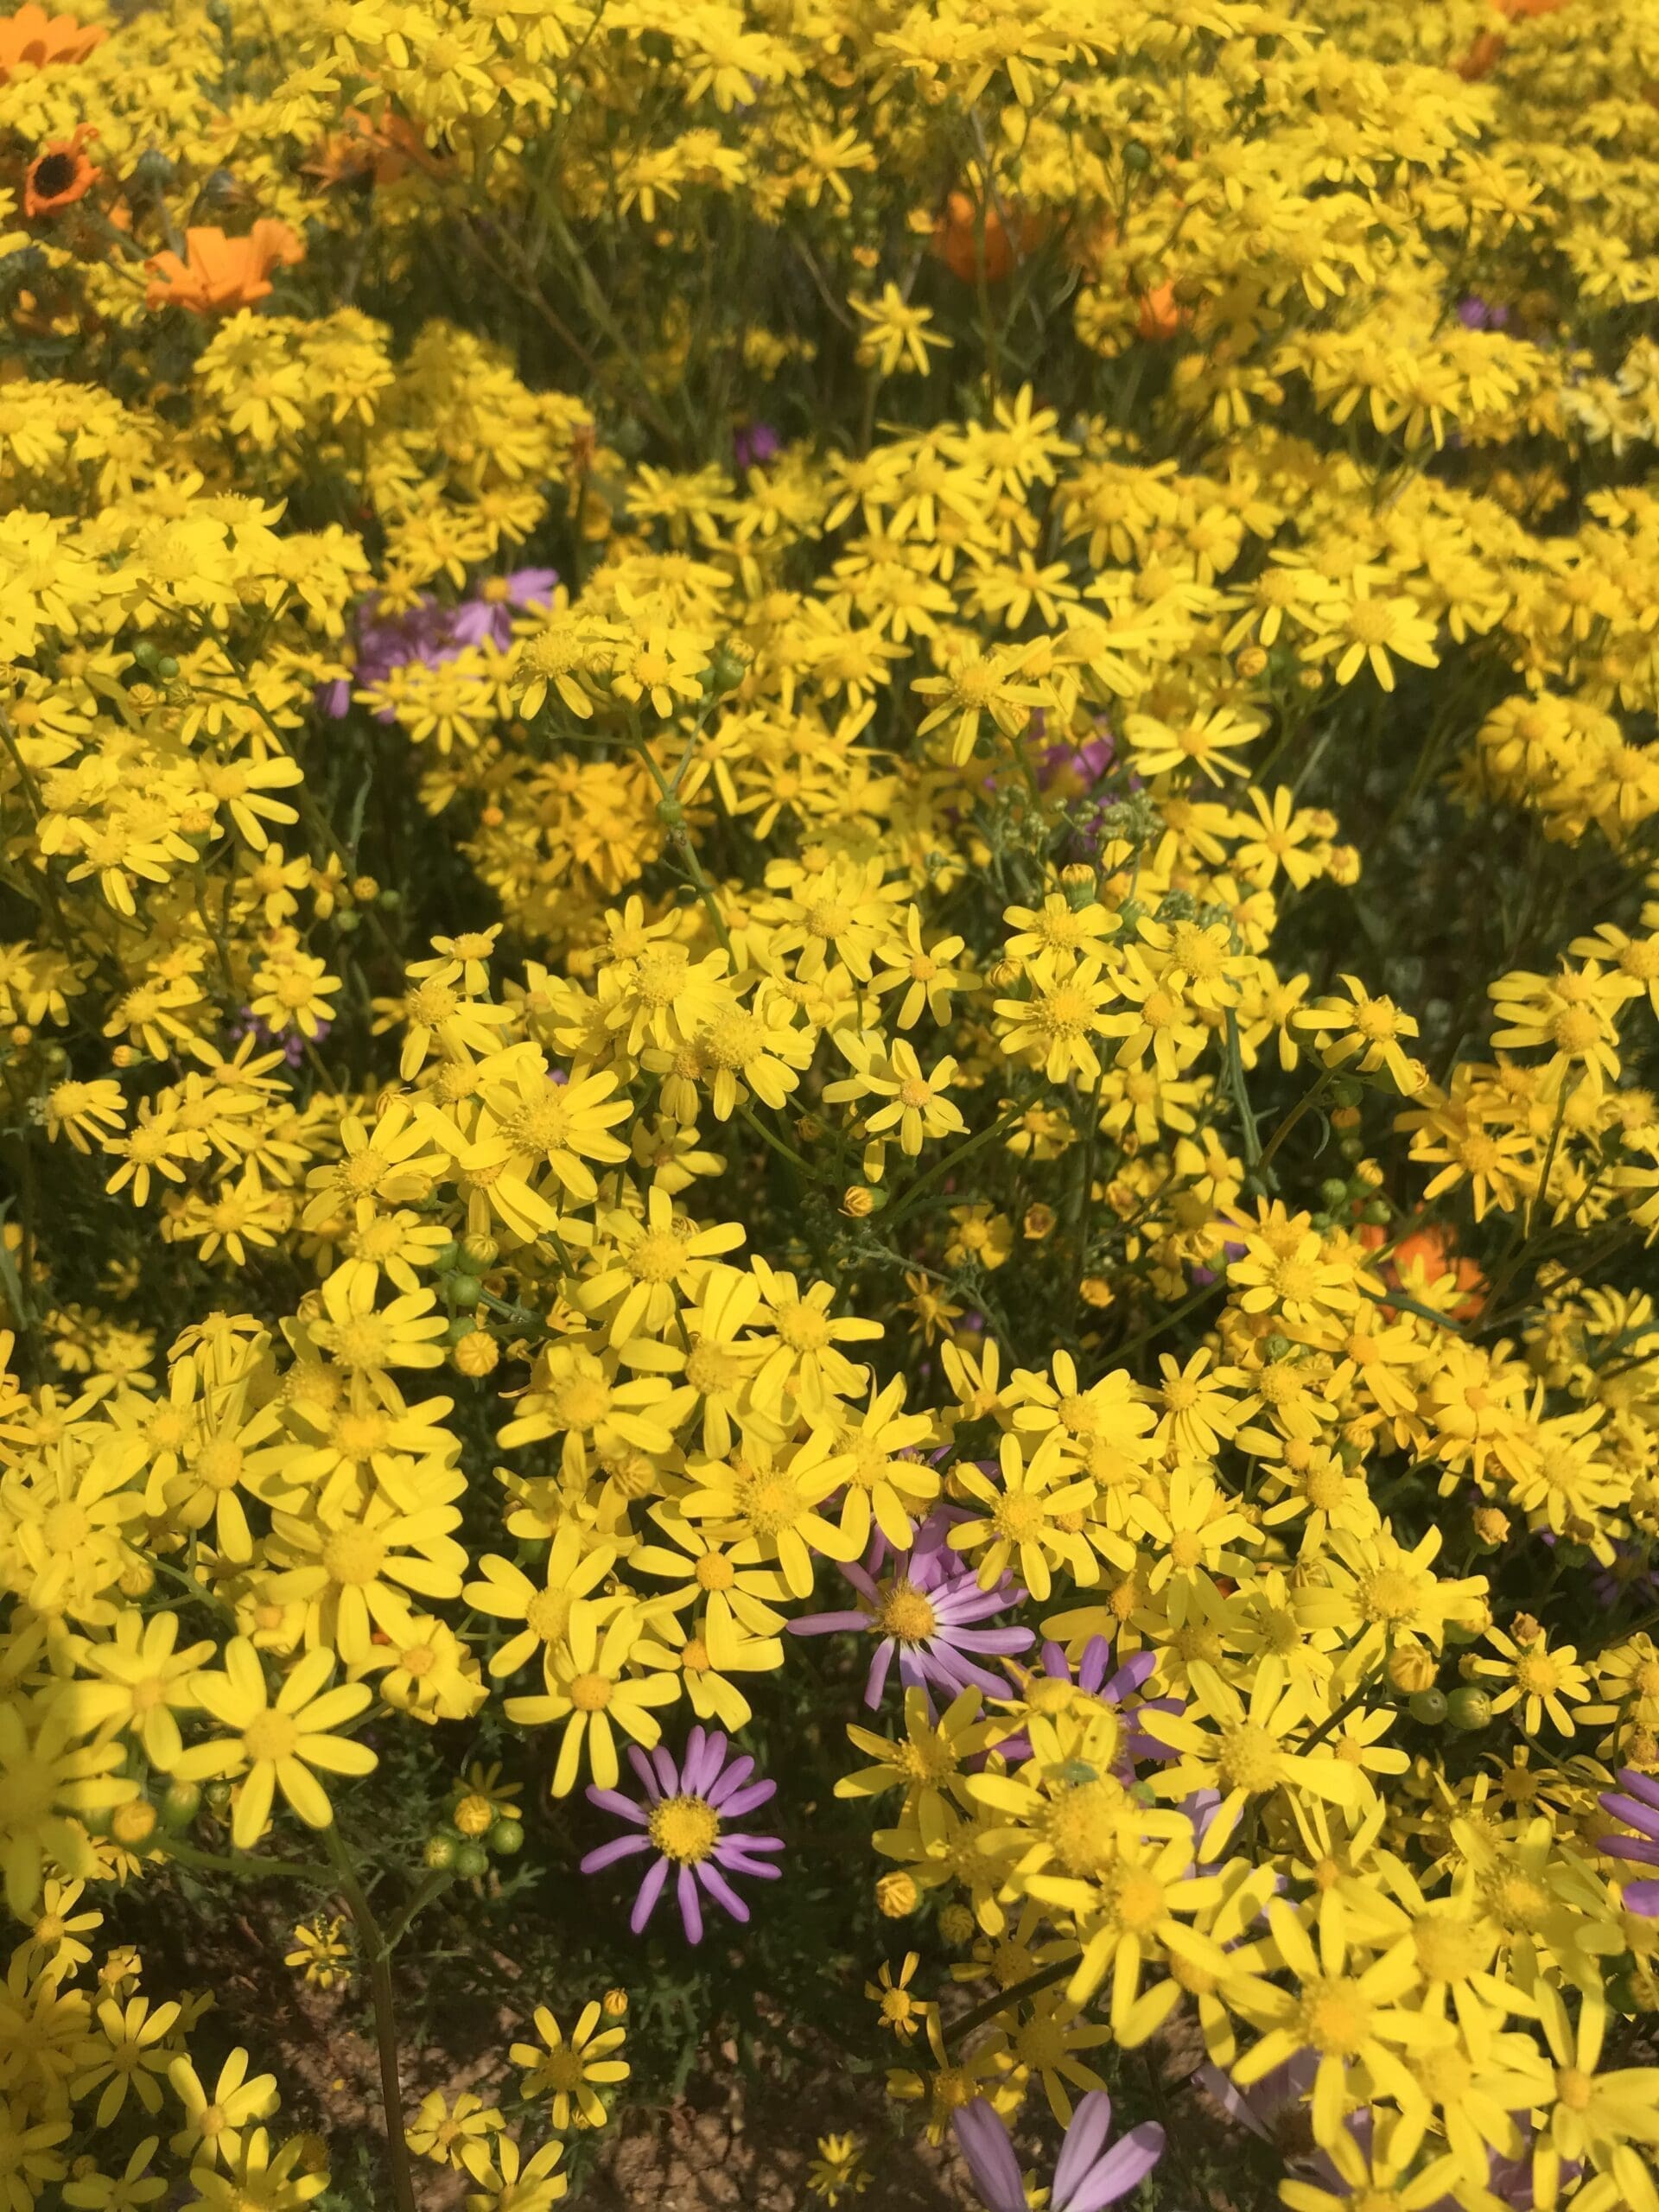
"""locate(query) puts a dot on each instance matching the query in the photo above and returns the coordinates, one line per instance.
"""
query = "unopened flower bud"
(858, 1202)
(897, 1896)
(615, 2004)
(1412, 1669)
(956, 1925)
(1492, 1524)
(477, 1354)
(134, 1822)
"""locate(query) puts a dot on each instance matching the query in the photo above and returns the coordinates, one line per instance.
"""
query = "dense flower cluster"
(828, 869)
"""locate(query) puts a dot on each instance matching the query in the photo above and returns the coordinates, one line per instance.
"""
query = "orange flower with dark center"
(31, 39)
(218, 272)
(956, 243)
(362, 148)
(59, 174)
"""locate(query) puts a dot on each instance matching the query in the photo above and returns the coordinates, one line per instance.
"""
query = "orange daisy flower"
(219, 272)
(384, 150)
(59, 174)
(31, 39)
(956, 238)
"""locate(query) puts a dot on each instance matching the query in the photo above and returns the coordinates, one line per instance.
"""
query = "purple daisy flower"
(490, 615)
(753, 444)
(928, 1613)
(684, 1818)
(1093, 1680)
(1073, 769)
(1636, 1801)
(1277, 2107)
(1088, 2175)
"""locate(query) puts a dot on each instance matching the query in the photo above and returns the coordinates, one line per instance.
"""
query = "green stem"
(243, 1865)
(672, 816)
(1334, 1721)
(951, 1160)
(1044, 1978)
(1168, 1321)
(1304, 1104)
(377, 1952)
(784, 1151)
(1240, 1095)
(433, 1886)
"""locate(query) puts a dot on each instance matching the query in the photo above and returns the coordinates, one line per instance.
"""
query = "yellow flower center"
(684, 1829)
(769, 1504)
(591, 1692)
(1447, 1949)
(710, 1370)
(271, 1735)
(1081, 1824)
(1574, 2089)
(714, 1572)
(548, 1614)
(1388, 1594)
(657, 1257)
(907, 1613)
(582, 1402)
(1251, 1758)
(1019, 1516)
(1335, 2017)
(353, 1557)
(803, 1328)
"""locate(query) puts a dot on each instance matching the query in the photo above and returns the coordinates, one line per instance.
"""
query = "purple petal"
(647, 1774)
(1085, 2139)
(612, 1801)
(668, 1775)
(983, 2142)
(1645, 1786)
(738, 1853)
(1127, 2163)
(722, 1787)
(1642, 1897)
(827, 1624)
(690, 1905)
(626, 1846)
(1631, 1810)
(734, 1803)
(650, 1889)
(1132, 1673)
(1003, 1641)
(1631, 1847)
(877, 1680)
(721, 1890)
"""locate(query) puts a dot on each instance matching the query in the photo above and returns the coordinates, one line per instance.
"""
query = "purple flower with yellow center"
(1636, 1801)
(928, 1612)
(1087, 2177)
(1056, 1689)
(684, 1818)
(489, 616)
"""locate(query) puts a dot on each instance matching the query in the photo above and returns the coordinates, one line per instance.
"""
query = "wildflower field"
(829, 1159)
